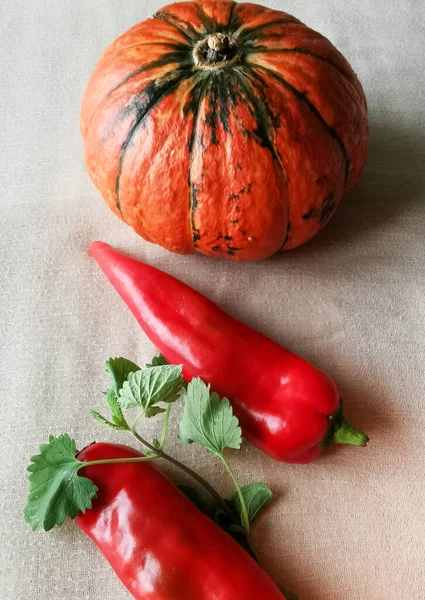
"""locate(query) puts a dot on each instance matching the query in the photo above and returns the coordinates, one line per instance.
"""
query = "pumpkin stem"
(217, 50)
(218, 42)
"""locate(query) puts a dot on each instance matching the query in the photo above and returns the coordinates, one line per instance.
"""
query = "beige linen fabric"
(352, 525)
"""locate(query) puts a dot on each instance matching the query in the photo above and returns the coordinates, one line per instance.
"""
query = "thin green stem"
(146, 444)
(197, 478)
(137, 419)
(165, 427)
(116, 461)
(244, 512)
(202, 482)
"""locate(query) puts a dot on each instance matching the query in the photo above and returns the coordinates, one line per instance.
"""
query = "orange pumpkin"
(228, 129)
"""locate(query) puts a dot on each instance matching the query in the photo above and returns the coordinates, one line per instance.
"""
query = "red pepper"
(158, 543)
(286, 407)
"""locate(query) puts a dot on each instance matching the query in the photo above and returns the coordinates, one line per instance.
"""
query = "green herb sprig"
(57, 491)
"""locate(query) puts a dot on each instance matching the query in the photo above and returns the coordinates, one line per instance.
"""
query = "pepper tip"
(96, 247)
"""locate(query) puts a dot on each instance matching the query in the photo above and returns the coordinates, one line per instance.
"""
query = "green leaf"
(226, 520)
(206, 504)
(208, 420)
(118, 420)
(119, 369)
(147, 388)
(56, 491)
(157, 361)
(116, 412)
(101, 419)
(257, 496)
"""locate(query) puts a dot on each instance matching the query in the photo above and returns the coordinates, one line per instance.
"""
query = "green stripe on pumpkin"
(184, 27)
(155, 91)
(266, 50)
(197, 96)
(301, 97)
(254, 33)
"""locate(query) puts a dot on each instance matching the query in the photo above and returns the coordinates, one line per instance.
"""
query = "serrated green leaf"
(56, 490)
(225, 519)
(208, 420)
(118, 419)
(119, 369)
(157, 361)
(101, 419)
(116, 412)
(147, 388)
(257, 496)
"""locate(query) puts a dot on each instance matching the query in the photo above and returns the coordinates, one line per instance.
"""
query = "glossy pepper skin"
(157, 542)
(286, 407)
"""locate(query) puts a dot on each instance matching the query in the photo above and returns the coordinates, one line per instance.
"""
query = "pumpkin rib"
(233, 20)
(219, 94)
(349, 77)
(265, 50)
(232, 171)
(219, 12)
(162, 16)
(199, 92)
(209, 25)
(301, 97)
(251, 33)
(145, 185)
(263, 117)
(173, 45)
(168, 58)
(159, 92)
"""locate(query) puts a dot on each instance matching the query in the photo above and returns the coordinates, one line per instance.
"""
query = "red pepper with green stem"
(158, 543)
(286, 407)
(155, 538)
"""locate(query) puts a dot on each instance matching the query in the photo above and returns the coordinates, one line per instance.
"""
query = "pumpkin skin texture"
(228, 129)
